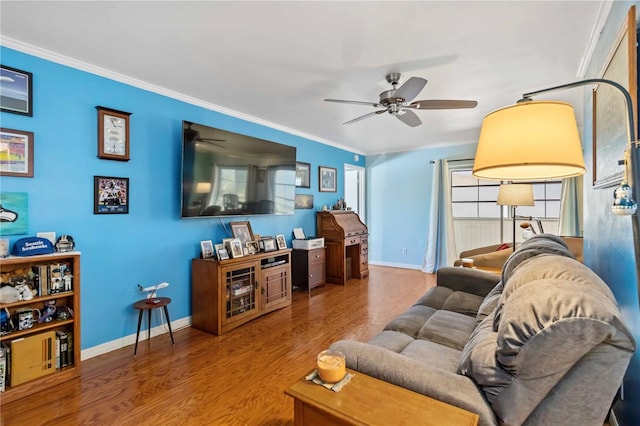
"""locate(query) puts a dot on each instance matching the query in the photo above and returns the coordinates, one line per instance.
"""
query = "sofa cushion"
(448, 328)
(489, 303)
(393, 340)
(411, 321)
(478, 360)
(463, 303)
(433, 354)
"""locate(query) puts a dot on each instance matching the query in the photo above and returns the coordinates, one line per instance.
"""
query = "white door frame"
(360, 208)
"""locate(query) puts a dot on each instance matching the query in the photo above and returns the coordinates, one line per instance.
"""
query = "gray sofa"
(545, 344)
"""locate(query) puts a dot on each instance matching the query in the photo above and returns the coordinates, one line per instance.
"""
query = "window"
(476, 198)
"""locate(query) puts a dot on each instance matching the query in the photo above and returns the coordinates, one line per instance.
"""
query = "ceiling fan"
(397, 101)
(192, 135)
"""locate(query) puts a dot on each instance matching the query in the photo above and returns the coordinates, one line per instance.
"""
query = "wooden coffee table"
(369, 401)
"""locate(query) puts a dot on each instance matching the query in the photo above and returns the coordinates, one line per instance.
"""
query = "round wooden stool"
(149, 305)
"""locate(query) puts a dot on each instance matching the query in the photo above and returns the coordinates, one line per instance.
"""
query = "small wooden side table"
(149, 305)
(366, 400)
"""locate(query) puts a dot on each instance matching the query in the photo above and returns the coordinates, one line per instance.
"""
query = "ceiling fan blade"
(409, 118)
(411, 88)
(443, 104)
(362, 117)
(211, 140)
(341, 101)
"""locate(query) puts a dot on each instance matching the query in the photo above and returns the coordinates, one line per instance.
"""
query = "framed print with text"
(113, 134)
(327, 179)
(16, 95)
(16, 153)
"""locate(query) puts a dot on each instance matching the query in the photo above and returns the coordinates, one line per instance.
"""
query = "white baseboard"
(613, 421)
(396, 265)
(131, 339)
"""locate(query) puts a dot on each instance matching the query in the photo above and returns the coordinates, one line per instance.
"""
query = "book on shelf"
(3, 369)
(61, 336)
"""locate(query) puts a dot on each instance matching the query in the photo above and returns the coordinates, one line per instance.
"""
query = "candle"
(331, 366)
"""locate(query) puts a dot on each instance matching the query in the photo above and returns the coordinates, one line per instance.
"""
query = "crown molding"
(596, 29)
(140, 84)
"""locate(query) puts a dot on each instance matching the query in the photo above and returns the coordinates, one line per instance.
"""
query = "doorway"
(354, 189)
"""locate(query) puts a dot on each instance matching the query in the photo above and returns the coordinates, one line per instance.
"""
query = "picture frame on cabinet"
(113, 134)
(242, 231)
(282, 243)
(110, 195)
(303, 175)
(253, 247)
(17, 91)
(327, 178)
(223, 254)
(235, 246)
(18, 146)
(206, 249)
(268, 244)
(219, 248)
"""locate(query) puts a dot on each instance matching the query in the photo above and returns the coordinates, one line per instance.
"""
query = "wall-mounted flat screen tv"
(229, 174)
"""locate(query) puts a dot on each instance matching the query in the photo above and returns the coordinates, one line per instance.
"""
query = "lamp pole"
(634, 154)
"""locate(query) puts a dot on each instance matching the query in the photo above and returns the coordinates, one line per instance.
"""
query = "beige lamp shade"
(515, 194)
(203, 187)
(529, 140)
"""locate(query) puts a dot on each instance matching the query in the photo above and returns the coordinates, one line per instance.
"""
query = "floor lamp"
(514, 195)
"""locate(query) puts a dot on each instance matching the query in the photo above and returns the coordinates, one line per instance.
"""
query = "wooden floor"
(235, 379)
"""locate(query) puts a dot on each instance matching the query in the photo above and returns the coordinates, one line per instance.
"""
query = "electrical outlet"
(404, 250)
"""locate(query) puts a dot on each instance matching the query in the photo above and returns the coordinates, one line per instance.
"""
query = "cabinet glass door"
(241, 291)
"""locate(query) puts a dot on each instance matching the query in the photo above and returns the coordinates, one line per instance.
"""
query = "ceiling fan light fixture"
(529, 140)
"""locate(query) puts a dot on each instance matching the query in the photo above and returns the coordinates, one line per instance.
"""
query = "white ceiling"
(275, 62)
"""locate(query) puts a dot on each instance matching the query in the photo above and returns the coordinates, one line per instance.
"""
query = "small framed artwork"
(235, 247)
(17, 94)
(327, 179)
(113, 134)
(282, 243)
(268, 244)
(14, 213)
(16, 148)
(304, 201)
(207, 249)
(219, 247)
(110, 195)
(303, 175)
(242, 231)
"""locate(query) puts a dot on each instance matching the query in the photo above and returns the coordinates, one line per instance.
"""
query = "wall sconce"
(539, 140)
(515, 195)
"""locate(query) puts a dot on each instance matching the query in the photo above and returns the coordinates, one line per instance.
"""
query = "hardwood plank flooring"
(238, 378)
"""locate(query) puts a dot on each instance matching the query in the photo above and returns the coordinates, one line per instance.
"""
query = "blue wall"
(150, 244)
(608, 238)
(399, 200)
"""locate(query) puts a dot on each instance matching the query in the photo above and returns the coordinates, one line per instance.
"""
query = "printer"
(300, 241)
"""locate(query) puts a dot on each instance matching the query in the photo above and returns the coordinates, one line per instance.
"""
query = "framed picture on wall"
(113, 134)
(16, 87)
(610, 134)
(303, 175)
(17, 149)
(111, 195)
(327, 177)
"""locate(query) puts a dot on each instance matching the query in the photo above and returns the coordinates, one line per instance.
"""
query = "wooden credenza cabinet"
(346, 239)
(228, 293)
(308, 268)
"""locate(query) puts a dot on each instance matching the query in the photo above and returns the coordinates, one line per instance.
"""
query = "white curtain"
(441, 247)
(570, 224)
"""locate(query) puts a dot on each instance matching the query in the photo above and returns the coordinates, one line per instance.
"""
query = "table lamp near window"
(514, 195)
